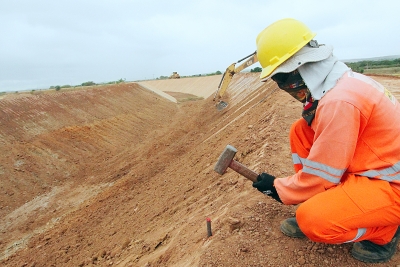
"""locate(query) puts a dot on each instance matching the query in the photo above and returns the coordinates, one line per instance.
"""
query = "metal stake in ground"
(226, 160)
(209, 233)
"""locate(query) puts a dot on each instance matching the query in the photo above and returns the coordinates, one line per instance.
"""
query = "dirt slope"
(118, 176)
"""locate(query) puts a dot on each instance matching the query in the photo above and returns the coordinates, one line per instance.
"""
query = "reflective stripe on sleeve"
(326, 172)
(296, 159)
(323, 175)
(324, 167)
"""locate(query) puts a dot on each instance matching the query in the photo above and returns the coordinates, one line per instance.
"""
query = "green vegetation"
(58, 87)
(88, 83)
(116, 82)
(376, 66)
(256, 69)
(211, 74)
(384, 71)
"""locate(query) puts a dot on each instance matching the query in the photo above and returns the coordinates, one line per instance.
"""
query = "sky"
(46, 43)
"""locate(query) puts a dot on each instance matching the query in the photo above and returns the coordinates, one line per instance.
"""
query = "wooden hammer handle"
(243, 170)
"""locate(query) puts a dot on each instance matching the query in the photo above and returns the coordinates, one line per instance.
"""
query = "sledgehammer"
(226, 160)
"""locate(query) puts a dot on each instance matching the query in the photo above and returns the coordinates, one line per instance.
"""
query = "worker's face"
(293, 84)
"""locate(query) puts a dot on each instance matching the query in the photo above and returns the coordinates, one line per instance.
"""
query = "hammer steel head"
(225, 159)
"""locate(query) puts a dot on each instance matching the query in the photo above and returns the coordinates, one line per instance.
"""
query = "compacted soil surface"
(119, 176)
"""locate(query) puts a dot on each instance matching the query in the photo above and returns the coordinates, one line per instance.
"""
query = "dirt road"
(120, 176)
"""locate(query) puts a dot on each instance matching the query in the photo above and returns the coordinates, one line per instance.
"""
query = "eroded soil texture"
(120, 176)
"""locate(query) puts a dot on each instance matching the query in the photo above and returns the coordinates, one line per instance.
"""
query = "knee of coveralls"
(313, 223)
(358, 205)
(301, 139)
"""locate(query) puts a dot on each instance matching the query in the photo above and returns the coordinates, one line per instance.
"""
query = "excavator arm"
(227, 77)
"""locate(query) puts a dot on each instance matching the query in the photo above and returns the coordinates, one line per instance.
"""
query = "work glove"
(265, 184)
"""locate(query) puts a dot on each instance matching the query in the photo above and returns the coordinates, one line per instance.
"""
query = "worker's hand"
(265, 184)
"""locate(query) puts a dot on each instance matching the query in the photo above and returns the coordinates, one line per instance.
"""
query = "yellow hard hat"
(279, 41)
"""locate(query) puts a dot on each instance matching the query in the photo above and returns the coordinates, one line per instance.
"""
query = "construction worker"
(345, 148)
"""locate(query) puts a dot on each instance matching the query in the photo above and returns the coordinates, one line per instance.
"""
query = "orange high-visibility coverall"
(347, 165)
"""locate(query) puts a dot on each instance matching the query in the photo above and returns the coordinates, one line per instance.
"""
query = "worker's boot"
(367, 251)
(290, 228)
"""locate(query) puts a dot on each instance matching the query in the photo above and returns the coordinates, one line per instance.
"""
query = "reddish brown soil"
(118, 176)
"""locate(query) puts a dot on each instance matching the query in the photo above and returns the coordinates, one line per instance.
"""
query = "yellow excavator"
(227, 77)
(175, 75)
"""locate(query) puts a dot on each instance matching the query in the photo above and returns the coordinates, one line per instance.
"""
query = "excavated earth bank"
(120, 176)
